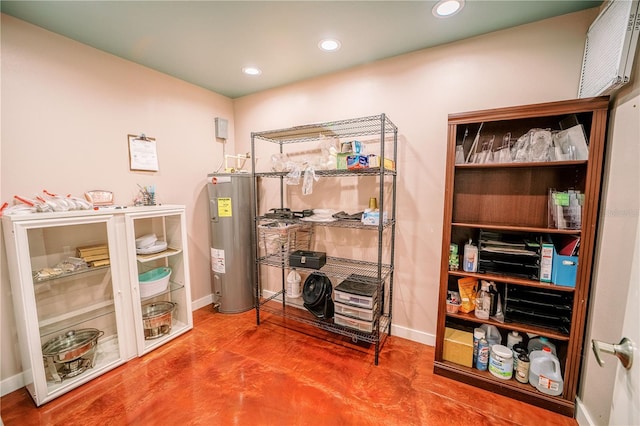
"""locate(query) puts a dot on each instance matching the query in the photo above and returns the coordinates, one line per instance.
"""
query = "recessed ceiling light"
(252, 71)
(446, 8)
(329, 44)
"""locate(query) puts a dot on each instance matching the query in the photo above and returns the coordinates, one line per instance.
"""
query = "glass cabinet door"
(67, 300)
(159, 276)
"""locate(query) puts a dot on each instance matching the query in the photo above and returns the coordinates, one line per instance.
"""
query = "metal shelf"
(277, 256)
(370, 171)
(355, 224)
(363, 126)
(300, 315)
(336, 267)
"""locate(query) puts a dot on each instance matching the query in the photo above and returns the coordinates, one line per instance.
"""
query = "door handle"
(623, 351)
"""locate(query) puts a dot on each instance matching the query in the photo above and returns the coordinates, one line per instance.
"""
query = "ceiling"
(207, 43)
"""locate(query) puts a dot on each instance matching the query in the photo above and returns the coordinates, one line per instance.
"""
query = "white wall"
(614, 263)
(534, 63)
(67, 110)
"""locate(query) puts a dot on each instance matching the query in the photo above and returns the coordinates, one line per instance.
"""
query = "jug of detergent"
(544, 372)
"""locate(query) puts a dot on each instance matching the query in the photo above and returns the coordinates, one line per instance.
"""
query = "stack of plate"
(149, 244)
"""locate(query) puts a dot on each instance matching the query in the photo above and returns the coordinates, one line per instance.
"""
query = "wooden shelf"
(513, 198)
(523, 328)
(161, 255)
(517, 228)
(511, 280)
(511, 388)
(544, 164)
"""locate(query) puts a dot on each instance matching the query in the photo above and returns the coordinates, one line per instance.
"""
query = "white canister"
(501, 362)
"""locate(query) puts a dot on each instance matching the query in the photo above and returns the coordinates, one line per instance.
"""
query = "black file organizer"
(544, 308)
(513, 254)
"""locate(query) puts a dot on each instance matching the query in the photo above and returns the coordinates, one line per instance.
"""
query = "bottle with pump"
(483, 302)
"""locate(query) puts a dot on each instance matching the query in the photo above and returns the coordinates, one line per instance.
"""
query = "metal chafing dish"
(156, 319)
(70, 354)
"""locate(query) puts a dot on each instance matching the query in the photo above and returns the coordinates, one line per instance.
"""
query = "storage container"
(501, 362)
(564, 270)
(355, 312)
(360, 325)
(356, 293)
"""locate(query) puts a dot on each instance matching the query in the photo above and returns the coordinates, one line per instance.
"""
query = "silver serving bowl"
(156, 319)
(70, 354)
(72, 345)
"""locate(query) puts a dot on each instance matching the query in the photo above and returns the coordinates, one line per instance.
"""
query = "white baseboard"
(413, 335)
(582, 414)
(11, 384)
(202, 302)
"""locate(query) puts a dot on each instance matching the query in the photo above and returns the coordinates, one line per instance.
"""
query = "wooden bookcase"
(513, 198)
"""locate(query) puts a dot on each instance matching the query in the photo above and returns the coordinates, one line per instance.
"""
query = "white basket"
(150, 287)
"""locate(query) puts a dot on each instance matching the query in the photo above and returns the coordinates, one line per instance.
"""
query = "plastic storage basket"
(154, 281)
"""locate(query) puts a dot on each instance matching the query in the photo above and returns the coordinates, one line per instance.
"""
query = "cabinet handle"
(623, 351)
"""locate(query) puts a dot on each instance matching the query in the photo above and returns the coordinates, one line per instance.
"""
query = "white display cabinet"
(57, 310)
(74, 326)
(154, 325)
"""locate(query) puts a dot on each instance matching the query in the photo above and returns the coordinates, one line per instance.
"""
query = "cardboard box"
(341, 160)
(458, 347)
(374, 161)
(356, 161)
(546, 262)
(373, 217)
(564, 271)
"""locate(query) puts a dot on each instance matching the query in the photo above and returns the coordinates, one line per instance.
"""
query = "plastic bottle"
(483, 302)
(513, 338)
(482, 362)
(521, 369)
(546, 351)
(519, 349)
(293, 284)
(492, 334)
(537, 343)
(470, 263)
(478, 334)
(544, 372)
